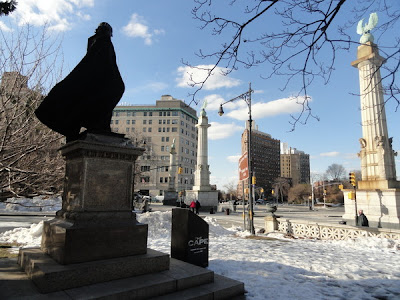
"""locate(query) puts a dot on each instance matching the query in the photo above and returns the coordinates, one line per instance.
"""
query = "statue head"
(104, 29)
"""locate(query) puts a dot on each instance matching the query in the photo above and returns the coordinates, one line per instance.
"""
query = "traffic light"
(253, 181)
(352, 178)
(180, 170)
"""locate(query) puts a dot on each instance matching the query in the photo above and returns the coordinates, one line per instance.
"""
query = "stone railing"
(301, 228)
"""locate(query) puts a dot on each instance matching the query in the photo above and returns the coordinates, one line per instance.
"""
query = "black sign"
(189, 237)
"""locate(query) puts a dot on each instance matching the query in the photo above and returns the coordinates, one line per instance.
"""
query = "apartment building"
(156, 127)
(295, 164)
(265, 156)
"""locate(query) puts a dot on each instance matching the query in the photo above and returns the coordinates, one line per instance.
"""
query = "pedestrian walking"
(197, 207)
(192, 206)
(362, 219)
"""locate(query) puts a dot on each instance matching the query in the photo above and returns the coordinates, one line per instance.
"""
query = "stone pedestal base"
(271, 224)
(381, 207)
(170, 198)
(69, 242)
(96, 220)
(207, 199)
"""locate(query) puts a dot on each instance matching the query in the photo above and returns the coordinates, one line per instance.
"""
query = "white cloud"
(219, 131)
(58, 14)
(234, 158)
(214, 101)
(188, 76)
(137, 28)
(267, 109)
(330, 154)
(4, 27)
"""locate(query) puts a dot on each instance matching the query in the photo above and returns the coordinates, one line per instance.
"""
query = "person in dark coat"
(197, 207)
(362, 219)
(88, 95)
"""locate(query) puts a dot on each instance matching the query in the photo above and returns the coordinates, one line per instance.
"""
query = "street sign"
(243, 167)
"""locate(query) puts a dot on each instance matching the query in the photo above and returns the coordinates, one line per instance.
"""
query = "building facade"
(295, 164)
(265, 156)
(155, 127)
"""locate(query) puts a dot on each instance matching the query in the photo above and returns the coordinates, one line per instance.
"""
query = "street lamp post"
(247, 98)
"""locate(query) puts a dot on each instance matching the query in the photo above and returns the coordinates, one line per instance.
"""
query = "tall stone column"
(377, 156)
(378, 193)
(170, 195)
(172, 168)
(201, 190)
(202, 173)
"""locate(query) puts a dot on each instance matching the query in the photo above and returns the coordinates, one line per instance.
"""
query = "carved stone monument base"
(207, 199)
(96, 220)
(170, 198)
(381, 207)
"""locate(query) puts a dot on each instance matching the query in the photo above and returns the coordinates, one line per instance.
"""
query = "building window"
(128, 113)
(163, 130)
(144, 121)
(150, 114)
(167, 139)
(127, 129)
(117, 114)
(116, 129)
(133, 122)
(144, 179)
(174, 113)
(174, 121)
(167, 129)
(166, 179)
(174, 129)
(160, 113)
(128, 122)
(144, 129)
(133, 129)
(160, 121)
(161, 179)
(145, 168)
(150, 122)
(163, 139)
(111, 121)
(162, 148)
(168, 121)
(149, 129)
(145, 113)
(116, 121)
(159, 129)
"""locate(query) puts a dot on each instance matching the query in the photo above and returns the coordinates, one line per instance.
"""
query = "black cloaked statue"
(88, 95)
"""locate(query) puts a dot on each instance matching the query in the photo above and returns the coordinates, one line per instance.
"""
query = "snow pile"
(28, 237)
(40, 203)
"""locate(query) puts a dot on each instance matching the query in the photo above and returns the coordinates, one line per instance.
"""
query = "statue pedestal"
(170, 198)
(96, 220)
(381, 207)
(207, 199)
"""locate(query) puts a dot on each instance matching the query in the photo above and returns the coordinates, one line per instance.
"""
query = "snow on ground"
(279, 267)
(40, 203)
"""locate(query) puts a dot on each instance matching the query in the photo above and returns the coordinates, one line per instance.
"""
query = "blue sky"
(151, 38)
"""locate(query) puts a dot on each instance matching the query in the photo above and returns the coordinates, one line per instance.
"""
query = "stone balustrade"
(302, 228)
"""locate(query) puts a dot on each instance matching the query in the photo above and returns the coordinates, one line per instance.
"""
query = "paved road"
(321, 215)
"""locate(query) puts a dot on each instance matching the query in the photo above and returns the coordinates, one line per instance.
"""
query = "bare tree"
(231, 189)
(301, 46)
(29, 162)
(336, 172)
(299, 193)
(281, 187)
